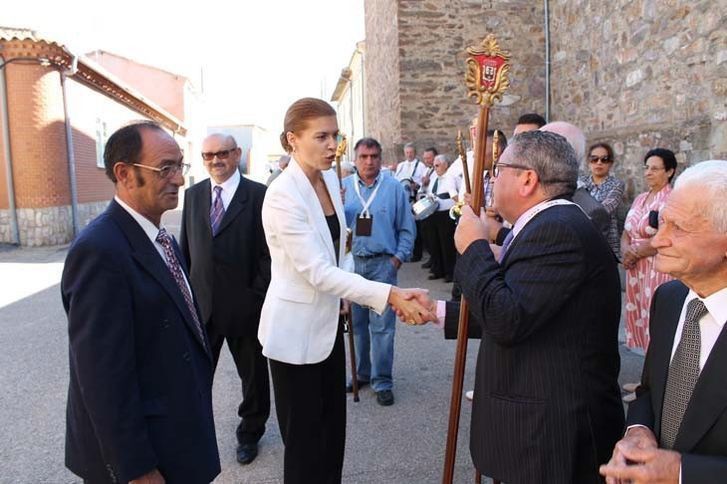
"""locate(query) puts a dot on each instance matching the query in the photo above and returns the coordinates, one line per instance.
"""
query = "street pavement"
(400, 444)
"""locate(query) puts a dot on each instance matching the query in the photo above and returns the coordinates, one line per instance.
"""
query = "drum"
(425, 207)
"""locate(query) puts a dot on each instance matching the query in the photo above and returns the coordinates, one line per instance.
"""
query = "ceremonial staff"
(348, 324)
(486, 78)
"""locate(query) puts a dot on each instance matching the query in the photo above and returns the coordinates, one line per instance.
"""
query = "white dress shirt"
(414, 169)
(151, 231)
(444, 185)
(229, 187)
(710, 326)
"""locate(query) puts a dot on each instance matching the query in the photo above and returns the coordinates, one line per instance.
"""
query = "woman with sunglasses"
(300, 333)
(605, 188)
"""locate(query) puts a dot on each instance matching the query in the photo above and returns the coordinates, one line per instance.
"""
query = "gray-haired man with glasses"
(140, 392)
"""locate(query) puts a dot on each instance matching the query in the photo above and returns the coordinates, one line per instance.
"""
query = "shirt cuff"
(441, 314)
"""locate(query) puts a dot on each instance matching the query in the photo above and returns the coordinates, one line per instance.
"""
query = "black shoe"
(448, 279)
(246, 453)
(427, 265)
(385, 398)
(361, 384)
(434, 276)
(416, 259)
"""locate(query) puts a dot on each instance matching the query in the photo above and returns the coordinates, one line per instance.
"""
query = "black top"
(335, 228)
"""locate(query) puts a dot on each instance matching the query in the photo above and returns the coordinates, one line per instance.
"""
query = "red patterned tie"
(173, 264)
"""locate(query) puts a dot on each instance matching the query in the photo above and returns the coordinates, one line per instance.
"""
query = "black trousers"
(310, 401)
(252, 367)
(418, 244)
(442, 243)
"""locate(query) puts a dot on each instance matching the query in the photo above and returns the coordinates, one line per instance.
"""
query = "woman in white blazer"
(299, 330)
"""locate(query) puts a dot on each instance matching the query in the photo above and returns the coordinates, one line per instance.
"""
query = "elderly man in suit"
(677, 426)
(140, 394)
(223, 242)
(546, 404)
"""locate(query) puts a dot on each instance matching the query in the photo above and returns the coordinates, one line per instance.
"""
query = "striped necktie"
(506, 244)
(217, 211)
(173, 264)
(683, 374)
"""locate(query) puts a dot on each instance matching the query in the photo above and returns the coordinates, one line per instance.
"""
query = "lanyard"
(540, 208)
(366, 203)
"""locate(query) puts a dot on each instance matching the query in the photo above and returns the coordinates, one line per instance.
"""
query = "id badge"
(363, 225)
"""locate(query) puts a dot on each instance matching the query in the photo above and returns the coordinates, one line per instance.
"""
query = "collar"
(228, 186)
(146, 225)
(363, 183)
(525, 217)
(716, 304)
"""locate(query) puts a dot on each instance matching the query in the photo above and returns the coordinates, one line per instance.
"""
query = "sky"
(255, 56)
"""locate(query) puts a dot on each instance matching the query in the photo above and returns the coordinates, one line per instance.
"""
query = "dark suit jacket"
(140, 377)
(702, 437)
(547, 405)
(230, 273)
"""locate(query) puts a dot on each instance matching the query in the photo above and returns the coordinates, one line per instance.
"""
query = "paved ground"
(400, 444)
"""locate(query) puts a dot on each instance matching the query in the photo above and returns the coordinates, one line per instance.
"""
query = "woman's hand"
(413, 306)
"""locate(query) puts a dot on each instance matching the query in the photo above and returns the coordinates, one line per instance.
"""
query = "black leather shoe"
(448, 279)
(246, 453)
(416, 259)
(427, 265)
(434, 276)
(361, 384)
(385, 398)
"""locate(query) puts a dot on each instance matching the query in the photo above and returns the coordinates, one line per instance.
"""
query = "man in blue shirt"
(378, 213)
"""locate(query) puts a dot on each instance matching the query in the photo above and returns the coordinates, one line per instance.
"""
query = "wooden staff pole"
(486, 79)
(348, 323)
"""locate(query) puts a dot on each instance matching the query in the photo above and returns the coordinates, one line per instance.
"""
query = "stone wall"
(635, 73)
(47, 225)
(381, 74)
(641, 74)
(416, 53)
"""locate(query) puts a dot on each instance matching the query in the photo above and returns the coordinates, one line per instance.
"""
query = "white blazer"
(299, 318)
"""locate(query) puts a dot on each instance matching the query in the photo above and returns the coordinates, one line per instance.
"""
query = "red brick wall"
(4, 202)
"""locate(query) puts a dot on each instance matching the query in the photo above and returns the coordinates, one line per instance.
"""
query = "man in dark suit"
(223, 242)
(140, 394)
(677, 426)
(546, 404)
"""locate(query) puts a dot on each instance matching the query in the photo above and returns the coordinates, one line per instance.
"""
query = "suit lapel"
(710, 396)
(314, 206)
(205, 204)
(237, 204)
(667, 320)
(151, 261)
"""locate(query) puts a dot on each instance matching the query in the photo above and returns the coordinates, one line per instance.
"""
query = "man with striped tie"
(223, 242)
(677, 426)
(140, 394)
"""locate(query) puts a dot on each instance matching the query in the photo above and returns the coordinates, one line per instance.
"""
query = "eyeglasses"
(167, 171)
(499, 164)
(221, 155)
(602, 159)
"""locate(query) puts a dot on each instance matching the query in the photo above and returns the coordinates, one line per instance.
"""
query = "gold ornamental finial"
(487, 71)
(342, 146)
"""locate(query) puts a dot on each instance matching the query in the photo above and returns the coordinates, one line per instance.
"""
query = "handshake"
(413, 306)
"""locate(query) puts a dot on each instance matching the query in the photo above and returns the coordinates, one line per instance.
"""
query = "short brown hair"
(298, 114)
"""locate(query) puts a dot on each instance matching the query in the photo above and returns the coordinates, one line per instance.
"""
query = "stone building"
(635, 73)
(56, 111)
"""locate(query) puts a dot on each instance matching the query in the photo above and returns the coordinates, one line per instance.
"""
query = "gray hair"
(347, 168)
(410, 145)
(223, 136)
(551, 157)
(711, 178)
(570, 132)
(443, 158)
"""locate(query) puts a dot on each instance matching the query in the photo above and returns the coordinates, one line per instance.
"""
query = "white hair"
(711, 178)
(572, 133)
(443, 159)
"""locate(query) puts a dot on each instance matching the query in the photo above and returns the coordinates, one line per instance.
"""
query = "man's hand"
(395, 262)
(630, 257)
(413, 306)
(153, 477)
(638, 446)
(493, 223)
(469, 229)
(650, 465)
(425, 180)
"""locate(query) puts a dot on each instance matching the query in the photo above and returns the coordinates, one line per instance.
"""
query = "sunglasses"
(602, 159)
(221, 155)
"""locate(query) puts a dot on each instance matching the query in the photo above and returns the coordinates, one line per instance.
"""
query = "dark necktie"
(683, 374)
(217, 211)
(506, 244)
(173, 264)
(435, 186)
